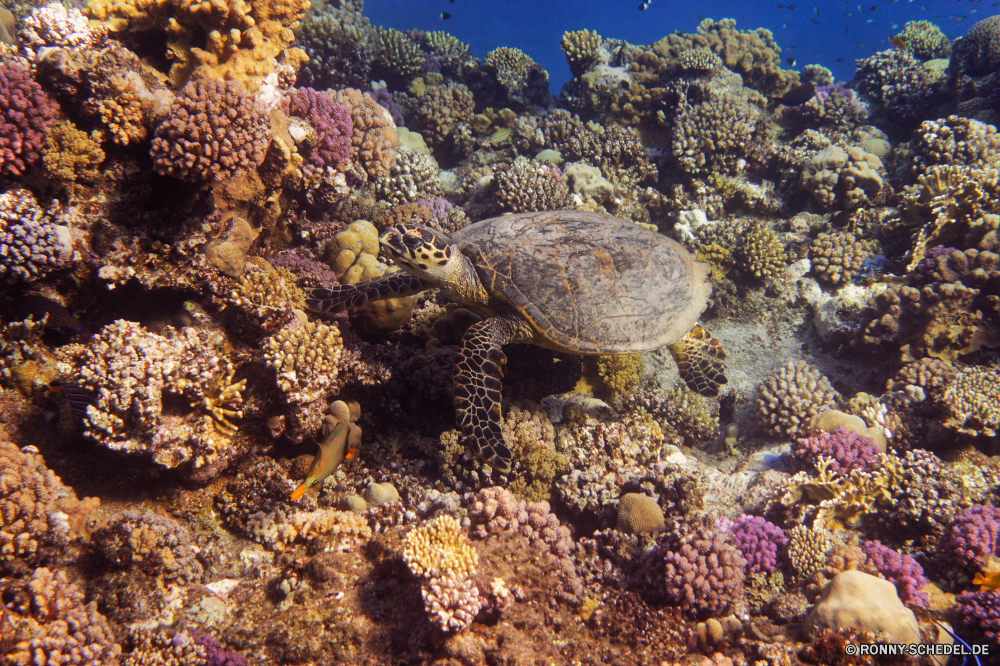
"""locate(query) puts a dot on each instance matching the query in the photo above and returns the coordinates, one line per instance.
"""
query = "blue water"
(840, 29)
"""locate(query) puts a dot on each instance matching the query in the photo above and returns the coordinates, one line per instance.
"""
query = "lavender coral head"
(977, 617)
(25, 113)
(759, 541)
(902, 570)
(846, 449)
(213, 127)
(332, 124)
(972, 537)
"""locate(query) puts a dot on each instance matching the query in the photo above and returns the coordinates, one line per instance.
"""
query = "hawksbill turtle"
(570, 281)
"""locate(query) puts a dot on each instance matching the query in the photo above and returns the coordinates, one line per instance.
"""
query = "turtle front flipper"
(478, 381)
(390, 285)
(700, 359)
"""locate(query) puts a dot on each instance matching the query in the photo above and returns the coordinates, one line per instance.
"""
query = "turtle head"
(421, 251)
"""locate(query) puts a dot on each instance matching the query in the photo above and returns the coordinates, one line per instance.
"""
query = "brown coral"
(374, 137)
(837, 258)
(70, 154)
(791, 396)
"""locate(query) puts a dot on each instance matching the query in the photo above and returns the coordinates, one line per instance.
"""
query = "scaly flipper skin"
(478, 380)
(391, 285)
(700, 359)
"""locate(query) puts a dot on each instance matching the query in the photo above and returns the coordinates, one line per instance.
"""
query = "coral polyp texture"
(212, 127)
(253, 252)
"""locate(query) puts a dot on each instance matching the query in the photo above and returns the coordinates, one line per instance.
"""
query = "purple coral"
(25, 113)
(308, 269)
(924, 272)
(438, 206)
(972, 536)
(902, 570)
(214, 654)
(703, 573)
(388, 102)
(213, 127)
(759, 541)
(846, 449)
(976, 617)
(332, 124)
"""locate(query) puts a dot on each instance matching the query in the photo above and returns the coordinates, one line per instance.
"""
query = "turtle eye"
(413, 242)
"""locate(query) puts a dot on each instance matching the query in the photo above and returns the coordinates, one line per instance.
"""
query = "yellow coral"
(764, 253)
(70, 155)
(581, 48)
(440, 548)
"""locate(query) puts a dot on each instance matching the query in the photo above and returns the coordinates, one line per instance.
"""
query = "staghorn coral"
(32, 243)
(26, 113)
(843, 178)
(212, 128)
(306, 359)
(70, 154)
(837, 258)
(924, 40)
(791, 396)
(158, 545)
(530, 186)
(54, 627)
(374, 136)
(581, 48)
(972, 399)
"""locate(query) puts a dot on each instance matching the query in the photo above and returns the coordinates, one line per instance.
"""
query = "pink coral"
(25, 114)
(332, 124)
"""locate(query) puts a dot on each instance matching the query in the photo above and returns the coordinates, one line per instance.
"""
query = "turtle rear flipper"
(390, 285)
(700, 359)
(478, 382)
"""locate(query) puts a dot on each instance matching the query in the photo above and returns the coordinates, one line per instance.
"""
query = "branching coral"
(212, 128)
(32, 243)
(26, 112)
(791, 396)
(530, 186)
(306, 359)
(715, 135)
(160, 546)
(581, 48)
(956, 141)
(924, 40)
(340, 45)
(519, 75)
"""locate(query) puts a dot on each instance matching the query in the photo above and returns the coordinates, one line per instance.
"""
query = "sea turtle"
(575, 282)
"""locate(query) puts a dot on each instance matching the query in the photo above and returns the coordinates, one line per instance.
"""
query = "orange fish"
(988, 580)
(341, 443)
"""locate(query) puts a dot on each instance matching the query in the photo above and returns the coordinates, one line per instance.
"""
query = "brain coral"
(212, 127)
(25, 114)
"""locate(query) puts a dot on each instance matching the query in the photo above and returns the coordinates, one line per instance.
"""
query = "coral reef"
(27, 114)
(791, 396)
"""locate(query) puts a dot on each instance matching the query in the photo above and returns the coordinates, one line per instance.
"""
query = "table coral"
(791, 396)
(26, 112)
(56, 626)
(32, 242)
(212, 128)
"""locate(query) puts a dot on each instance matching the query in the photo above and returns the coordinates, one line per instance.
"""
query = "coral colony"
(178, 182)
